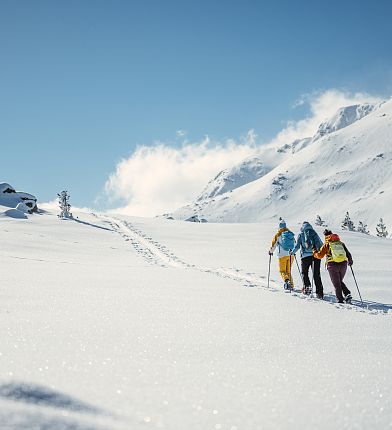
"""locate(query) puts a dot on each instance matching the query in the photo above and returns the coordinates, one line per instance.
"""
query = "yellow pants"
(285, 264)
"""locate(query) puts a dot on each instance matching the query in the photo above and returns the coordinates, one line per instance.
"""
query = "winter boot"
(307, 289)
(348, 298)
(287, 285)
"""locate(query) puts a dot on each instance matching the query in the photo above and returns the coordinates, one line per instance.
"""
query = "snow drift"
(20, 203)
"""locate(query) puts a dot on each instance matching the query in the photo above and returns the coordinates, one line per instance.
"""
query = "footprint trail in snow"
(158, 254)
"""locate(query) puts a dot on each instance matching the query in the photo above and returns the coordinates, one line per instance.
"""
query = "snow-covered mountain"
(345, 166)
(227, 180)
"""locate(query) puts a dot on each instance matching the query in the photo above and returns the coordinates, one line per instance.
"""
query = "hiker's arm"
(275, 242)
(322, 253)
(297, 245)
(349, 256)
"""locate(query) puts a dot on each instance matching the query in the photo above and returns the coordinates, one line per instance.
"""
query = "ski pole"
(300, 274)
(290, 277)
(311, 293)
(356, 283)
(269, 269)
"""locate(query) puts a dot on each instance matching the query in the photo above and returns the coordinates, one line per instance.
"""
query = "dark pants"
(336, 273)
(306, 262)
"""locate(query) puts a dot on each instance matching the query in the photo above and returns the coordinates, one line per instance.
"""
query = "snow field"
(165, 324)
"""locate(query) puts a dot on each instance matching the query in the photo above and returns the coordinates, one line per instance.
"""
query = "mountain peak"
(347, 162)
(344, 117)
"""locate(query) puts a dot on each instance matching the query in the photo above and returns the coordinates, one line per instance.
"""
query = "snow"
(345, 117)
(227, 180)
(346, 166)
(13, 213)
(23, 208)
(117, 323)
(6, 188)
(12, 199)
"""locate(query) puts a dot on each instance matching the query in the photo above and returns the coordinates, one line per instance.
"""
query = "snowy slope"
(119, 323)
(346, 166)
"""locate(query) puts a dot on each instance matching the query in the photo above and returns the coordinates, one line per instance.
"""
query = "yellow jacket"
(276, 241)
(326, 250)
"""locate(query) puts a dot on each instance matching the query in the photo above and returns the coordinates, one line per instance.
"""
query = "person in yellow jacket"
(284, 242)
(338, 257)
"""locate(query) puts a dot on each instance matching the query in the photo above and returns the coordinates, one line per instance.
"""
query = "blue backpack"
(309, 240)
(312, 240)
(287, 240)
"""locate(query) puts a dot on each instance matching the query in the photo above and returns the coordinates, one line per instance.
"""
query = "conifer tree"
(320, 222)
(64, 204)
(347, 223)
(362, 228)
(381, 229)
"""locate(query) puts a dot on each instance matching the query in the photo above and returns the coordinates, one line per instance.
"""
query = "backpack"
(309, 242)
(338, 254)
(287, 240)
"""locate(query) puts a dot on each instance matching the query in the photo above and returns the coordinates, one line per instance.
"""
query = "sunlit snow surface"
(114, 323)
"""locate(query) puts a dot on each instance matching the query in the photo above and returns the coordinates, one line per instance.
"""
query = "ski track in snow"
(158, 254)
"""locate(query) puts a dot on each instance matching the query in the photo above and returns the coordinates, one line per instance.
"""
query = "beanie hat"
(282, 223)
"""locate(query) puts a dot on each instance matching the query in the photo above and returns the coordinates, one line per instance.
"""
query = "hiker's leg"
(335, 275)
(306, 262)
(317, 276)
(284, 268)
(343, 270)
(346, 291)
(291, 261)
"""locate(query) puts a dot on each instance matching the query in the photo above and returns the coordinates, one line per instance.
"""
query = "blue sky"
(82, 83)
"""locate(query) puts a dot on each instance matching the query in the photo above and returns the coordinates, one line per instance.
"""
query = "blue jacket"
(307, 239)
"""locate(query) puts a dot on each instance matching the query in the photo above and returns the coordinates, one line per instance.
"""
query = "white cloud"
(160, 178)
(53, 207)
(322, 105)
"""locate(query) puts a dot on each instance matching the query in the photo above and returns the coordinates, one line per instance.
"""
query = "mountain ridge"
(311, 176)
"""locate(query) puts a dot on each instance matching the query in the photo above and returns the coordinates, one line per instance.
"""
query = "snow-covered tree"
(64, 204)
(381, 229)
(320, 222)
(347, 223)
(362, 228)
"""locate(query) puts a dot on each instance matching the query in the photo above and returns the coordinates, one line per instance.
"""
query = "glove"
(270, 252)
(350, 262)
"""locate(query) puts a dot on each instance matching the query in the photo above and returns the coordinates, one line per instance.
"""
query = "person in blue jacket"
(307, 240)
